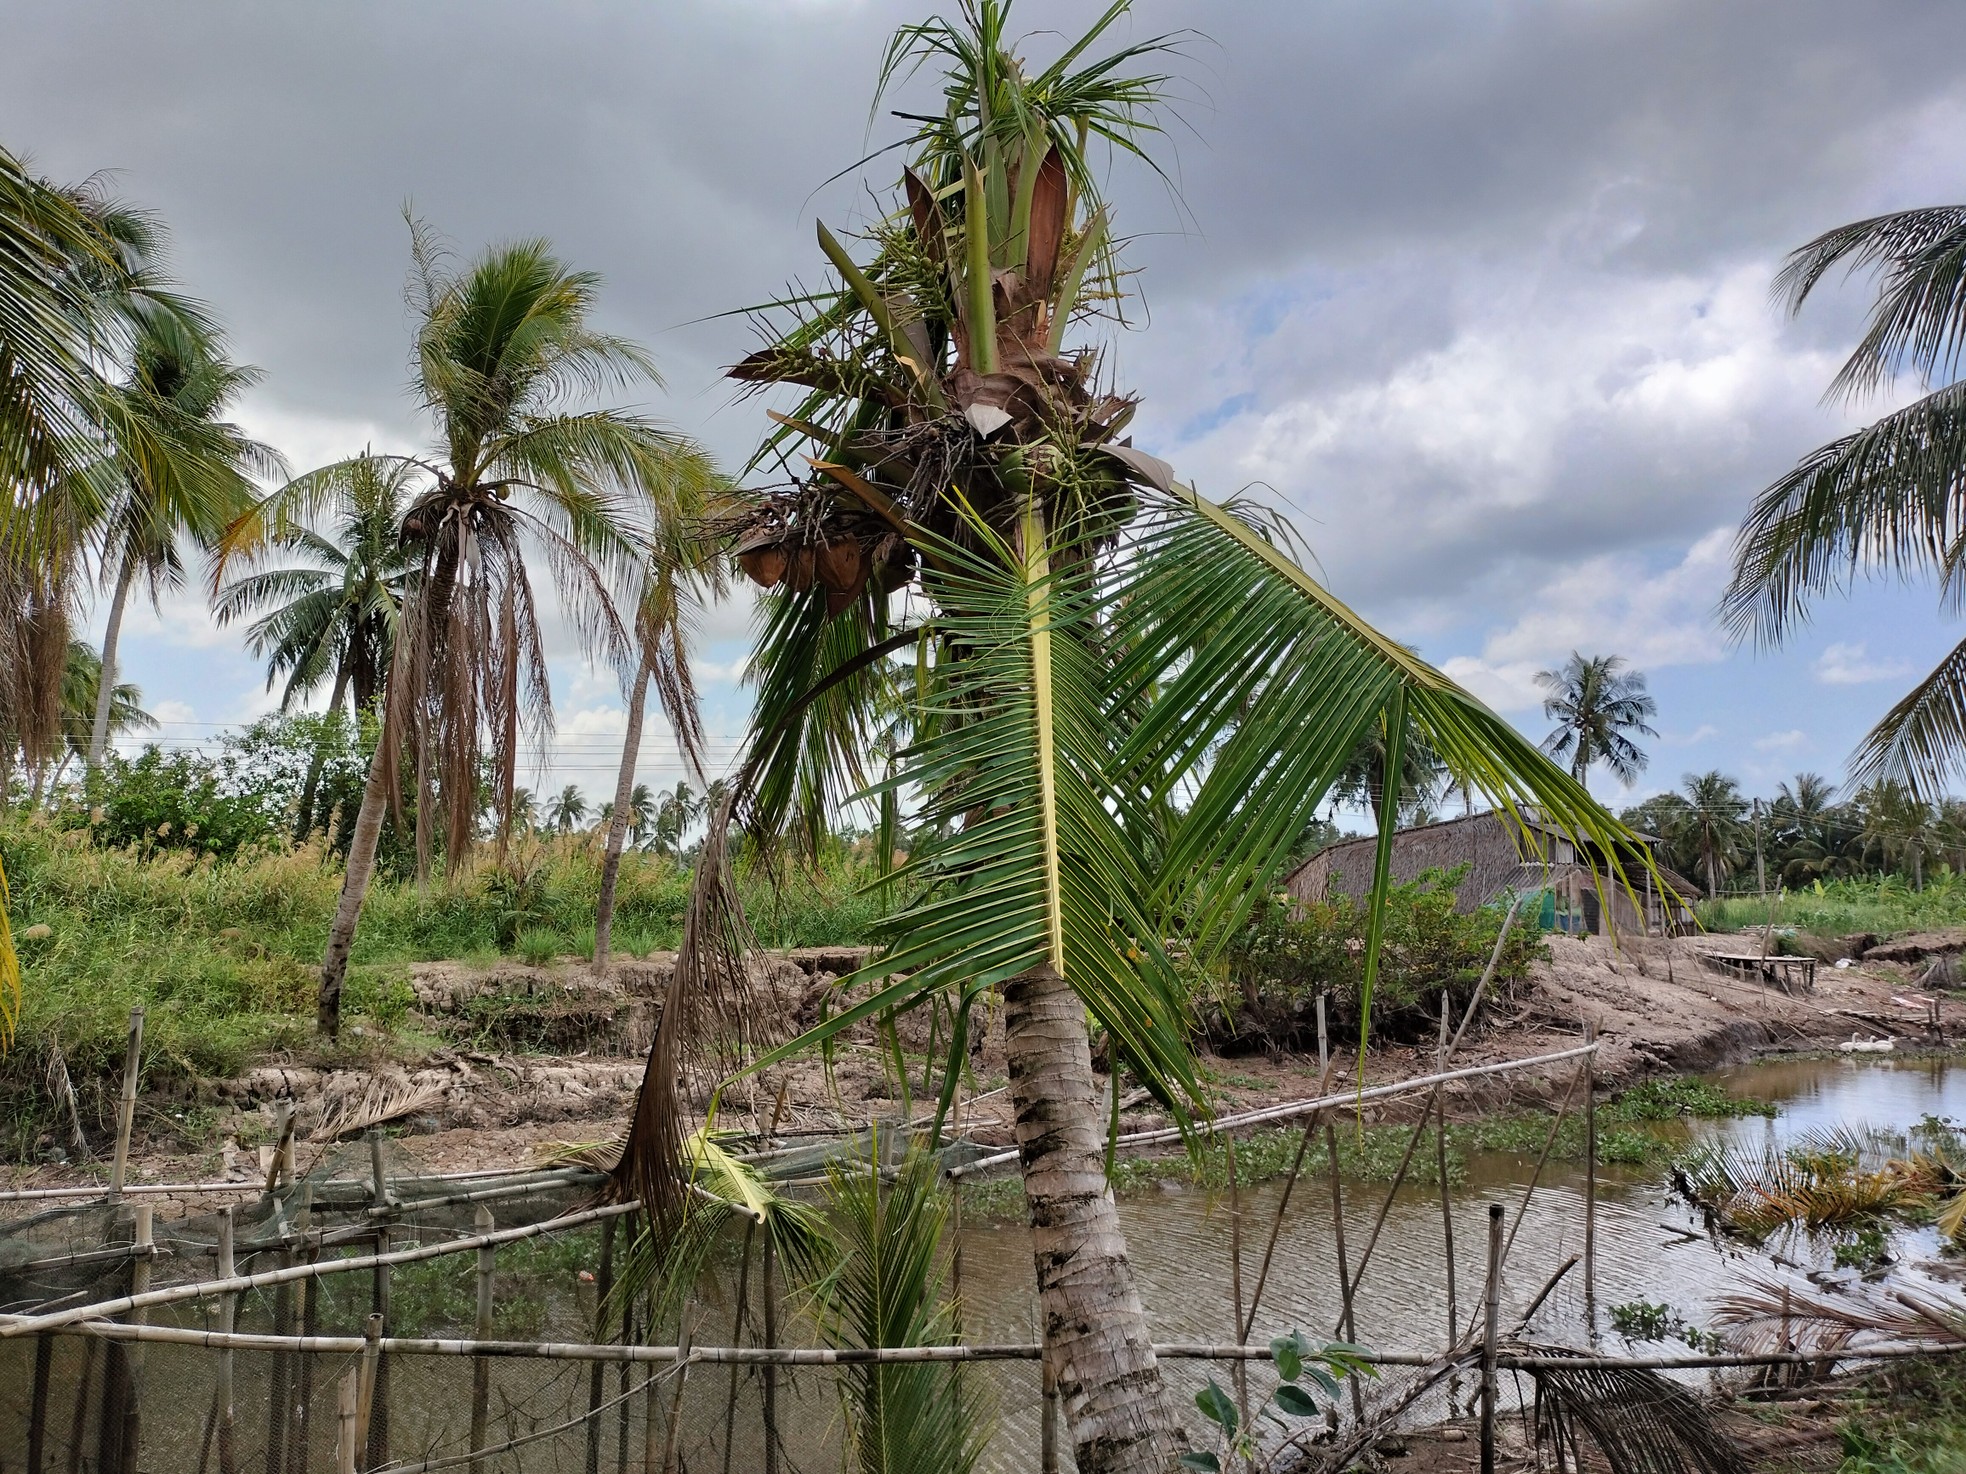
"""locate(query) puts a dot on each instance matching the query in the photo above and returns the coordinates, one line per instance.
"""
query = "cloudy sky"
(1477, 289)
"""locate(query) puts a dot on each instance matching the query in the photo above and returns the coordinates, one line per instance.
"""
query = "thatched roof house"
(1579, 893)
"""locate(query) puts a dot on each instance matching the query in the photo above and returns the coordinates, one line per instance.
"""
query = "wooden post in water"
(1446, 1196)
(1491, 1318)
(597, 1373)
(126, 1111)
(1590, 1178)
(375, 1398)
(228, 1311)
(1338, 1211)
(481, 1223)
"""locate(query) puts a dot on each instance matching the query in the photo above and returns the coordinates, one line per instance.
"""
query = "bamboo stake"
(300, 1444)
(133, 1395)
(1491, 1310)
(481, 1368)
(770, 1290)
(81, 1410)
(365, 1388)
(1446, 1193)
(623, 1407)
(228, 1310)
(1590, 1177)
(375, 1402)
(347, 1406)
(1048, 1422)
(279, 1404)
(1235, 1279)
(1349, 1322)
(127, 1109)
(736, 1338)
(596, 1386)
(669, 1440)
(281, 1169)
(37, 1416)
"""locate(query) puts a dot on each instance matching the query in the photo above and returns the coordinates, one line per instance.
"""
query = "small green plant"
(1296, 1362)
(1641, 1320)
(539, 945)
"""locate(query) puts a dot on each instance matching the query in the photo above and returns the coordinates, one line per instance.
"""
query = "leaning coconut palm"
(1888, 500)
(678, 576)
(1091, 638)
(516, 478)
(185, 473)
(81, 685)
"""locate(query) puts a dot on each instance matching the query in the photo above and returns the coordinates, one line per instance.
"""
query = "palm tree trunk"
(1095, 1332)
(304, 820)
(624, 787)
(106, 678)
(354, 886)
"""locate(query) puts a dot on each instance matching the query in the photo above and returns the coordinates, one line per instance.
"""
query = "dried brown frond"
(1640, 1421)
(379, 1101)
(1775, 1315)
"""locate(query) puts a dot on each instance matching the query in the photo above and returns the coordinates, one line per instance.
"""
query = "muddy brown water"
(1180, 1242)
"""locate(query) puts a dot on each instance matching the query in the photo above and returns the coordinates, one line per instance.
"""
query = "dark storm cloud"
(1478, 287)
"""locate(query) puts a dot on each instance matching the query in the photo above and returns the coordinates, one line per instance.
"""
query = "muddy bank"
(515, 1061)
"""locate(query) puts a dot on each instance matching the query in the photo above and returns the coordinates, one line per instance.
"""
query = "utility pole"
(1761, 880)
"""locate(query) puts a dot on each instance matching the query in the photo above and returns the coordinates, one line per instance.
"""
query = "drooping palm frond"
(1639, 1421)
(882, 1286)
(1919, 319)
(1921, 740)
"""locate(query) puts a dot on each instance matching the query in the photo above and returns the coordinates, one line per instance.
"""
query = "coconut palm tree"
(178, 386)
(81, 684)
(1888, 500)
(1085, 639)
(332, 612)
(516, 477)
(1804, 829)
(1597, 702)
(566, 811)
(1711, 826)
(1898, 828)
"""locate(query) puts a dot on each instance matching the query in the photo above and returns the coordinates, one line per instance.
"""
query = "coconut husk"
(841, 566)
(764, 566)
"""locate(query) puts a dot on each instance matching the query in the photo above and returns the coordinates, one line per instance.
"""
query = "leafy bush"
(1831, 908)
(1291, 951)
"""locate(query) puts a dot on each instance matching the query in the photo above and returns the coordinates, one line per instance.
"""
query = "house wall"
(1481, 842)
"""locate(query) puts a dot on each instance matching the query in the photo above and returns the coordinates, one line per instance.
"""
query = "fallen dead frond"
(1773, 1315)
(379, 1101)
(1640, 1421)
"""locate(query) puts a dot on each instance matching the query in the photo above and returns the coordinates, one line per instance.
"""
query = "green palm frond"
(1265, 683)
(1882, 500)
(1919, 319)
(1923, 737)
(1036, 866)
(884, 1287)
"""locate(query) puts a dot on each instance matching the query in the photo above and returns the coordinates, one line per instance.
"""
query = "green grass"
(1839, 907)
(1907, 1419)
(223, 955)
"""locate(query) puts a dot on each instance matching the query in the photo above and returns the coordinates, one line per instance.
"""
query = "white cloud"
(1693, 738)
(1781, 741)
(1849, 663)
(1610, 604)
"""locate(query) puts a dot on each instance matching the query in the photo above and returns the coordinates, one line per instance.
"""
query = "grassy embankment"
(1837, 908)
(224, 954)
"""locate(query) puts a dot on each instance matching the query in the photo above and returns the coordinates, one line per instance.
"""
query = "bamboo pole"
(1590, 1178)
(81, 1410)
(228, 1309)
(37, 1415)
(671, 1434)
(1048, 1419)
(1349, 1323)
(596, 1376)
(623, 1410)
(365, 1384)
(1491, 1310)
(769, 1289)
(1446, 1193)
(1235, 1279)
(300, 1442)
(375, 1402)
(26, 1325)
(348, 1397)
(133, 1365)
(481, 1368)
(126, 1111)
(280, 1169)
(736, 1337)
(279, 1404)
